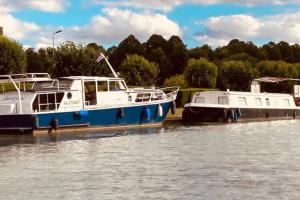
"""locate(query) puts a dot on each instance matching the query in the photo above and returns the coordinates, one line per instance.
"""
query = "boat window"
(258, 101)
(65, 84)
(116, 86)
(44, 102)
(47, 102)
(102, 86)
(242, 101)
(286, 102)
(90, 93)
(123, 85)
(268, 101)
(157, 96)
(223, 100)
(143, 97)
(199, 100)
(44, 85)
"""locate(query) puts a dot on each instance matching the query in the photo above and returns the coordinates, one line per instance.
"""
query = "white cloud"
(116, 24)
(15, 28)
(111, 27)
(167, 5)
(43, 5)
(220, 30)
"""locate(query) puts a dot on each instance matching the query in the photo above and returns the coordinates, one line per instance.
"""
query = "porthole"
(69, 95)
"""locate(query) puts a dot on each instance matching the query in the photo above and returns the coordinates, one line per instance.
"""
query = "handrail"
(27, 77)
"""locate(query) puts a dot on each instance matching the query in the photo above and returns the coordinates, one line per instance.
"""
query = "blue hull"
(112, 117)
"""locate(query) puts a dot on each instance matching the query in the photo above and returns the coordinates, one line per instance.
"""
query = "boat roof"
(91, 78)
(26, 77)
(268, 79)
(244, 93)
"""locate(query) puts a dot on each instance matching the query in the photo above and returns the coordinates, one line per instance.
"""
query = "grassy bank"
(177, 115)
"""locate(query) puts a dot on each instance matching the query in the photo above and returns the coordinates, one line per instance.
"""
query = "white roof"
(243, 93)
(90, 78)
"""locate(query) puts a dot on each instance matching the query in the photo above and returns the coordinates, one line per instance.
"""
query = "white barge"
(37, 103)
(233, 106)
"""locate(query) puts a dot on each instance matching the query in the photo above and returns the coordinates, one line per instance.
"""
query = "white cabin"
(233, 99)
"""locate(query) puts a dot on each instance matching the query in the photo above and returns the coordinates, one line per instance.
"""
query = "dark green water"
(235, 161)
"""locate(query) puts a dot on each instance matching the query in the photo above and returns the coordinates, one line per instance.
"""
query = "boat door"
(90, 93)
(111, 92)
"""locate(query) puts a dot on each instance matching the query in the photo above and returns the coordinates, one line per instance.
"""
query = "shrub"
(201, 73)
(138, 71)
(177, 80)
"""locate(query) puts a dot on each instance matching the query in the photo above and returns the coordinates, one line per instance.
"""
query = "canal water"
(235, 161)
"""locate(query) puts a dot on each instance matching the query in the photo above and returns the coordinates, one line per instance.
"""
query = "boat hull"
(219, 114)
(118, 117)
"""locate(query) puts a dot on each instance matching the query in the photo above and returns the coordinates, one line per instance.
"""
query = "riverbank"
(176, 117)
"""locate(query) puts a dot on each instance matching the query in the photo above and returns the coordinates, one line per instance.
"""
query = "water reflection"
(234, 161)
(17, 138)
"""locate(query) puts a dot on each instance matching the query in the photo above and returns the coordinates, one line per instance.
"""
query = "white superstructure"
(233, 99)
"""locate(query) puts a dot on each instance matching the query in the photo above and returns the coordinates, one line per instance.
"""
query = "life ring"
(173, 108)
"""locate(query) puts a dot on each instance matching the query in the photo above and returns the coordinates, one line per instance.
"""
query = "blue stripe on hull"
(106, 117)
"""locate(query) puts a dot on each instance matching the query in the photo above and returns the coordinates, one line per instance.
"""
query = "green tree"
(34, 63)
(138, 71)
(12, 56)
(286, 51)
(76, 59)
(1, 30)
(177, 80)
(242, 57)
(251, 49)
(236, 47)
(277, 69)
(235, 75)
(129, 46)
(157, 49)
(177, 54)
(201, 52)
(46, 60)
(296, 52)
(201, 73)
(95, 47)
(165, 66)
(156, 41)
(273, 51)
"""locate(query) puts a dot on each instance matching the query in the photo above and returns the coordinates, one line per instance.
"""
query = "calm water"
(237, 161)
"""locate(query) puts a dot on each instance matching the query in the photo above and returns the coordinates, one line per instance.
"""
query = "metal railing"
(17, 79)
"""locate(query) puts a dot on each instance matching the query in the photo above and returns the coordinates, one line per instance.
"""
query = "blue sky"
(107, 22)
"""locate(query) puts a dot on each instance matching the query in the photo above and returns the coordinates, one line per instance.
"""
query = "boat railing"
(171, 92)
(45, 107)
(17, 79)
(154, 94)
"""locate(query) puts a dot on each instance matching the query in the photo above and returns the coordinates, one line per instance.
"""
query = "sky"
(108, 22)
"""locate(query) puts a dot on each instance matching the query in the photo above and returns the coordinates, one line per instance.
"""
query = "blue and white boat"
(37, 103)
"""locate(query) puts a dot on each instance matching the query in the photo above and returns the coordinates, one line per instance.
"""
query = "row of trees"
(159, 61)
